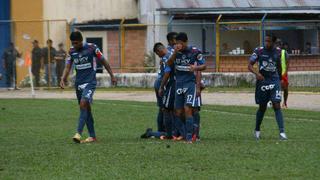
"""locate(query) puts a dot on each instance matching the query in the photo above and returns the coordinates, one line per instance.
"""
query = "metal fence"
(128, 47)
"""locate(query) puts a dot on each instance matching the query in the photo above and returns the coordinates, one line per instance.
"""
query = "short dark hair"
(182, 36)
(157, 46)
(171, 36)
(49, 41)
(273, 38)
(76, 36)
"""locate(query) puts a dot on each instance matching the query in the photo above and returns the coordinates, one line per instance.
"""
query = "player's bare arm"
(106, 65)
(198, 67)
(252, 70)
(65, 75)
(163, 83)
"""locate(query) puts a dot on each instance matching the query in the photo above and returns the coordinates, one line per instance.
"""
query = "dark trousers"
(59, 69)
(11, 75)
(36, 73)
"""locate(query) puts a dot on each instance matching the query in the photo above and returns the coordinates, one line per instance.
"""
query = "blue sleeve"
(254, 56)
(167, 69)
(199, 57)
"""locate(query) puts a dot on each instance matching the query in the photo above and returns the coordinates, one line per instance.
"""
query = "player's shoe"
(77, 138)
(89, 140)
(177, 138)
(283, 136)
(166, 137)
(257, 135)
(146, 134)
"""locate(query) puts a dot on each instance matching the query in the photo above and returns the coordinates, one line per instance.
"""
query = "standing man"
(9, 57)
(187, 60)
(171, 38)
(60, 60)
(268, 83)
(84, 57)
(45, 56)
(36, 62)
(284, 76)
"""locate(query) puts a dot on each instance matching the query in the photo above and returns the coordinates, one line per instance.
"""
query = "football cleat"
(177, 138)
(283, 136)
(77, 138)
(166, 137)
(89, 140)
(146, 134)
(257, 135)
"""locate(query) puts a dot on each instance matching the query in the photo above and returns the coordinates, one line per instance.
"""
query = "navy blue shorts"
(157, 84)
(268, 90)
(186, 95)
(85, 92)
(168, 97)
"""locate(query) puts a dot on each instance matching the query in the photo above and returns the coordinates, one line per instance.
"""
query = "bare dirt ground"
(304, 101)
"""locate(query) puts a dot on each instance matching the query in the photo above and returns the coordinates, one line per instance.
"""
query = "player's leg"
(178, 120)
(190, 104)
(168, 103)
(276, 100)
(259, 117)
(285, 89)
(160, 117)
(196, 123)
(262, 98)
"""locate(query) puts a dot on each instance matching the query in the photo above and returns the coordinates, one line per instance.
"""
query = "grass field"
(35, 143)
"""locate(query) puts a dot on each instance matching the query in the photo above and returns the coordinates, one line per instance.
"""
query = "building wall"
(88, 10)
(24, 11)
(296, 63)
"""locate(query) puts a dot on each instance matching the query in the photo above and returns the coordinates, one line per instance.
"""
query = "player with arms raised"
(84, 57)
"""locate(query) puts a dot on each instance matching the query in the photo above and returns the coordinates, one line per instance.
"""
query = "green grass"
(35, 143)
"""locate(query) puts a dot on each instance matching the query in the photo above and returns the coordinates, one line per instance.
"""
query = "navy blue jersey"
(163, 62)
(268, 61)
(189, 56)
(84, 62)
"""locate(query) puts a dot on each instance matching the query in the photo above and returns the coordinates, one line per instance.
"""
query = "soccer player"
(171, 38)
(84, 57)
(284, 76)
(268, 83)
(187, 60)
(165, 102)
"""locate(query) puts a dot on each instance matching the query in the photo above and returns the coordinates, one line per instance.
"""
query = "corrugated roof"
(173, 4)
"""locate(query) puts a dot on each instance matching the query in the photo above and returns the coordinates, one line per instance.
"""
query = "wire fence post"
(218, 44)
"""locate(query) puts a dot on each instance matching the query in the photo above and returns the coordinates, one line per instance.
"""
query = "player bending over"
(84, 57)
(186, 60)
(268, 83)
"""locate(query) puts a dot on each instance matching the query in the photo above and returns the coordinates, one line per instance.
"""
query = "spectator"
(247, 47)
(46, 59)
(60, 60)
(307, 49)
(36, 62)
(9, 57)
(225, 49)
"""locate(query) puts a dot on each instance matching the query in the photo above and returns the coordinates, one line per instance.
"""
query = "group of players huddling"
(177, 87)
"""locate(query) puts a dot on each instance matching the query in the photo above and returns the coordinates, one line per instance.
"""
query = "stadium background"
(127, 29)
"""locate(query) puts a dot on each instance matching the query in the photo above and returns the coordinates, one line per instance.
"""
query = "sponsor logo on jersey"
(267, 87)
(83, 66)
